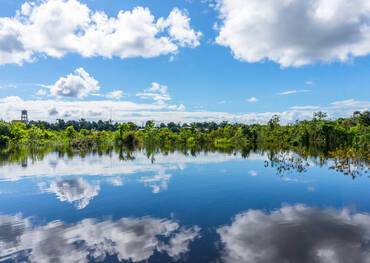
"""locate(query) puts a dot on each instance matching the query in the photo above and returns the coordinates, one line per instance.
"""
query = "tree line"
(318, 133)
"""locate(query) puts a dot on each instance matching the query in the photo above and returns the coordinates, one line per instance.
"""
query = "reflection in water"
(134, 239)
(346, 162)
(121, 162)
(116, 181)
(253, 173)
(285, 162)
(297, 234)
(158, 182)
(80, 192)
(75, 191)
(53, 165)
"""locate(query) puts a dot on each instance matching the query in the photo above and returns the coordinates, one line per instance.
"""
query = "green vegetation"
(316, 135)
(344, 141)
(36, 134)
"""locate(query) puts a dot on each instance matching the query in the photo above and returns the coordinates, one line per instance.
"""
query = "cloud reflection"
(53, 165)
(109, 168)
(297, 234)
(158, 182)
(129, 239)
(75, 191)
(116, 181)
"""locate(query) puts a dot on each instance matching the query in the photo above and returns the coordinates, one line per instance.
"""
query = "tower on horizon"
(24, 116)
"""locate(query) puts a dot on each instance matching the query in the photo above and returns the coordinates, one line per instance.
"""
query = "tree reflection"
(286, 162)
(126, 154)
(347, 162)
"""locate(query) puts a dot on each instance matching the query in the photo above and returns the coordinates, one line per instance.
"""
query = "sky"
(184, 60)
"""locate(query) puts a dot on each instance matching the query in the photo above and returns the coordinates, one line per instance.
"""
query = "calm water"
(212, 207)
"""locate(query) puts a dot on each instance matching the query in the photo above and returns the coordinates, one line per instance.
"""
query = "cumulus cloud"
(181, 107)
(92, 109)
(139, 113)
(178, 24)
(53, 111)
(296, 234)
(295, 32)
(79, 84)
(156, 92)
(12, 49)
(129, 239)
(41, 92)
(115, 94)
(57, 27)
(74, 191)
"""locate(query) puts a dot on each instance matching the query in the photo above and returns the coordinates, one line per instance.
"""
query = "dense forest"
(320, 134)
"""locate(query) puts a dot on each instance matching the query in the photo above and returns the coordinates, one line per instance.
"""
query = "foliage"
(318, 134)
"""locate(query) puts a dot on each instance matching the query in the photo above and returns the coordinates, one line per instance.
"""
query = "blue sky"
(224, 60)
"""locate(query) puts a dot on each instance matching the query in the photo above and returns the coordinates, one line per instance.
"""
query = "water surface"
(176, 207)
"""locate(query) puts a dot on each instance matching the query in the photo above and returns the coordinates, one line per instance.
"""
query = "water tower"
(24, 116)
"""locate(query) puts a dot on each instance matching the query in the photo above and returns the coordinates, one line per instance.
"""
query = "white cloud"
(309, 83)
(57, 27)
(10, 108)
(128, 239)
(11, 99)
(289, 92)
(296, 234)
(181, 107)
(139, 113)
(12, 49)
(308, 107)
(76, 85)
(41, 92)
(252, 100)
(350, 103)
(156, 92)
(344, 106)
(74, 191)
(178, 24)
(295, 32)
(115, 94)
